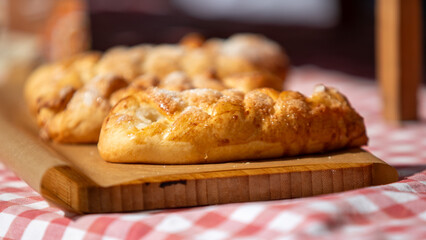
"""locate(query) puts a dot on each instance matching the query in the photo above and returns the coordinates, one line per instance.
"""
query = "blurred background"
(333, 34)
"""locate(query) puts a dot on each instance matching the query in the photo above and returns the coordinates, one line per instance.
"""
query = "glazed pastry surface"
(158, 126)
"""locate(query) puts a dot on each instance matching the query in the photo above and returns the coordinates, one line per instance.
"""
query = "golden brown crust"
(250, 52)
(81, 115)
(204, 125)
(192, 40)
(47, 85)
(53, 90)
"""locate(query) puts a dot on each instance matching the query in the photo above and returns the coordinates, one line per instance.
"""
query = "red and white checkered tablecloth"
(394, 211)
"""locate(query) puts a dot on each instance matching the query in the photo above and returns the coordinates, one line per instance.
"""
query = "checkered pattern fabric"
(394, 211)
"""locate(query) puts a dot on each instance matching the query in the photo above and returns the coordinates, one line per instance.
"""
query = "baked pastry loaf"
(158, 126)
(71, 98)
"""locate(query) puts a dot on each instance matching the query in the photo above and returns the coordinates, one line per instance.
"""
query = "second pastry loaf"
(205, 126)
(71, 98)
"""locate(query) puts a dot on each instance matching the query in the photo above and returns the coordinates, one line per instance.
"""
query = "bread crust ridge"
(158, 126)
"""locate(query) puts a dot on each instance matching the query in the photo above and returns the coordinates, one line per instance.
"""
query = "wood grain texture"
(68, 188)
(399, 56)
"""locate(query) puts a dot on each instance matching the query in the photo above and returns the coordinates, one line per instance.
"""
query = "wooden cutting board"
(76, 178)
